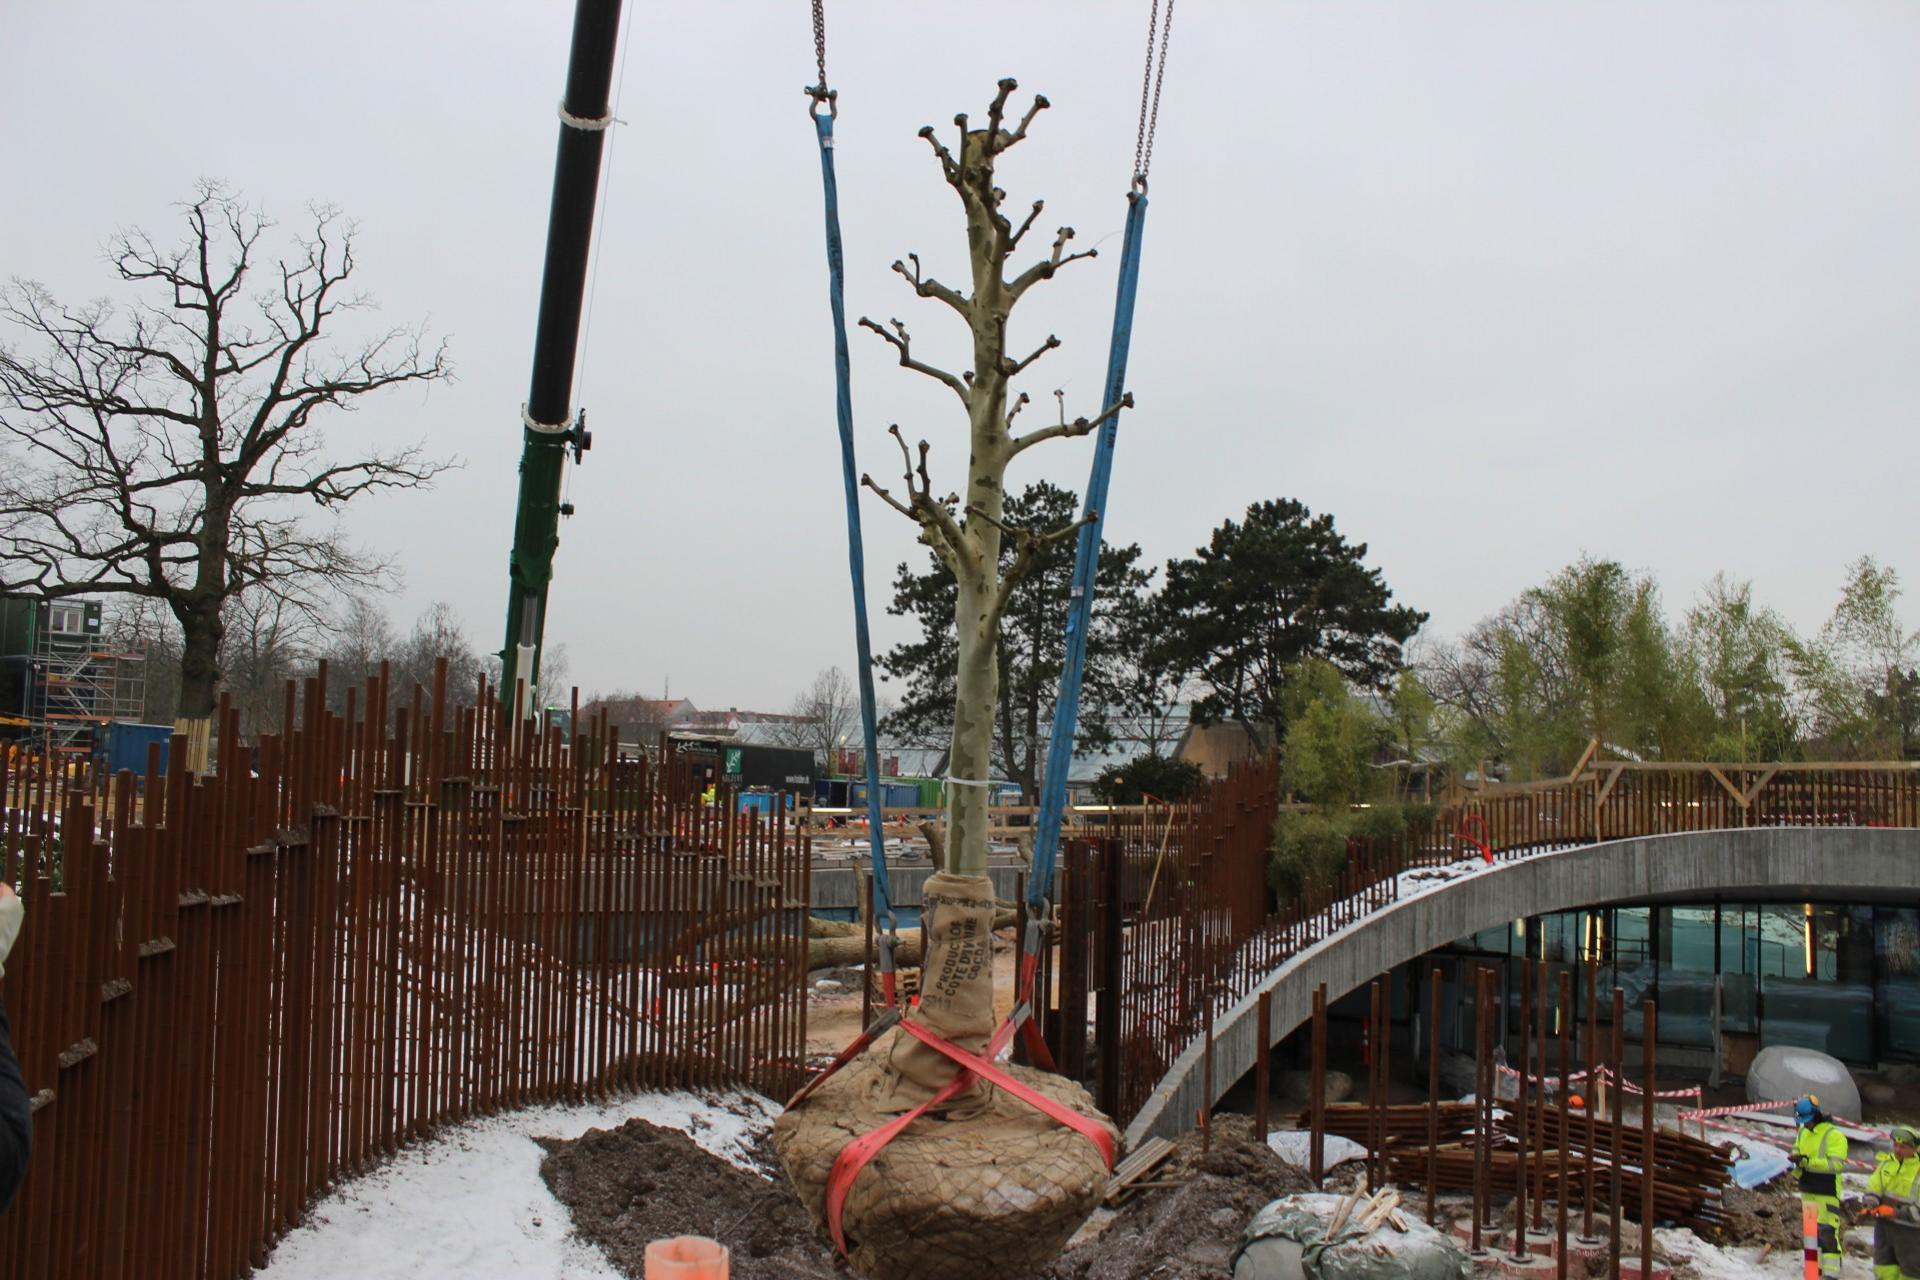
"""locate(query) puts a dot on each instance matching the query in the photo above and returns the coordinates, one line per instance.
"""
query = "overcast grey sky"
(1492, 282)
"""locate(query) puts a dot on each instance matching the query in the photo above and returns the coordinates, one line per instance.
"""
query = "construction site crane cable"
(824, 108)
(1066, 705)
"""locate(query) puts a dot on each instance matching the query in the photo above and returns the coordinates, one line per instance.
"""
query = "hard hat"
(1805, 1109)
(1905, 1133)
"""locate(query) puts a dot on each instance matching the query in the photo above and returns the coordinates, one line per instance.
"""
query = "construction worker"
(1819, 1157)
(1889, 1195)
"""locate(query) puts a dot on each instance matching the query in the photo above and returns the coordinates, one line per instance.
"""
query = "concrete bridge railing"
(1779, 863)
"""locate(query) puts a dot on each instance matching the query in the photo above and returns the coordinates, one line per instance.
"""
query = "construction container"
(123, 745)
(19, 625)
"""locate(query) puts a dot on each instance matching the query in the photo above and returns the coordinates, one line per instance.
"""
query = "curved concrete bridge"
(1778, 863)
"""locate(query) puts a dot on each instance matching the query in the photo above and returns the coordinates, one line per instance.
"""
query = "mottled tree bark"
(967, 534)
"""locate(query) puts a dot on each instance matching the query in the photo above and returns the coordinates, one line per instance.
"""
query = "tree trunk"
(975, 698)
(201, 633)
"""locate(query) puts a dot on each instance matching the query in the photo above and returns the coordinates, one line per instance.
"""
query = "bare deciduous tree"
(966, 533)
(165, 449)
(823, 717)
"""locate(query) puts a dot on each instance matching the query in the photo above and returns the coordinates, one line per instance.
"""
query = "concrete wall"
(1779, 863)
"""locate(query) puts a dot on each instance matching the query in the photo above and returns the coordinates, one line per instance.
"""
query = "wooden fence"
(234, 990)
(1168, 920)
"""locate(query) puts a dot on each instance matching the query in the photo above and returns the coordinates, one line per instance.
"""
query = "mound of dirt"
(629, 1186)
(1190, 1231)
(1764, 1215)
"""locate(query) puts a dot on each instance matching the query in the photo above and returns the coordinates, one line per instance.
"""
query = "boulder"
(1782, 1072)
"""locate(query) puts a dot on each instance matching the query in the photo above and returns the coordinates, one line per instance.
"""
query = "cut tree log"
(833, 951)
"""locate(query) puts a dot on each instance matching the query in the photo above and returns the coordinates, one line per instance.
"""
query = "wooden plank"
(1766, 776)
(1134, 1172)
(1738, 798)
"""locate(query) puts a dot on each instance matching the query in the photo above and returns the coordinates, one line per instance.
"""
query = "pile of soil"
(1763, 1215)
(629, 1186)
(1187, 1232)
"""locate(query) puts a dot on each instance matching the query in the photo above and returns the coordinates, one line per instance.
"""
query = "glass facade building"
(1839, 977)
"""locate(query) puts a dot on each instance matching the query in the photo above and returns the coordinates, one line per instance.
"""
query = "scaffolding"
(74, 682)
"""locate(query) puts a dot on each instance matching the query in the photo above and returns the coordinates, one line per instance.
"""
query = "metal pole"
(1317, 1106)
(1520, 1112)
(1263, 1065)
(1386, 1062)
(1540, 1106)
(1373, 1085)
(1649, 1035)
(1433, 1096)
(549, 423)
(1593, 1081)
(1206, 1082)
(1566, 1067)
(1613, 1084)
(1480, 1107)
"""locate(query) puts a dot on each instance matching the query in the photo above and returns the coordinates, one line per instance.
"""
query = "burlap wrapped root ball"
(985, 1187)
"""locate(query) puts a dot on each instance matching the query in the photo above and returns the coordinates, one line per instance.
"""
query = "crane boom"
(551, 427)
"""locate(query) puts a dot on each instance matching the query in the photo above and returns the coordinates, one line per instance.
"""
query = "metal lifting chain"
(1150, 78)
(820, 40)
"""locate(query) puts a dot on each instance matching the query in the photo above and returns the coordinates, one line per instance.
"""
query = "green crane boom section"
(552, 428)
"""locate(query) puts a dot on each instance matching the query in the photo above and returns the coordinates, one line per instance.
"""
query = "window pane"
(1685, 941)
(1899, 946)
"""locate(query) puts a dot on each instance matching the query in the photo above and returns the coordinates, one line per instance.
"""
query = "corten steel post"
(1263, 1064)
(1592, 1059)
(1433, 1096)
(866, 951)
(1649, 1036)
(1317, 1107)
(1480, 1107)
(1566, 1067)
(1520, 1111)
(1386, 1064)
(1613, 1084)
(550, 426)
(1540, 1106)
(1373, 1084)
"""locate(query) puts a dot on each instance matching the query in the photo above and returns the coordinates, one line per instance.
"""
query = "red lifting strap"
(855, 1155)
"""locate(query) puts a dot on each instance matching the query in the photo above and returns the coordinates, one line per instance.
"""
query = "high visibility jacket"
(1825, 1149)
(1893, 1178)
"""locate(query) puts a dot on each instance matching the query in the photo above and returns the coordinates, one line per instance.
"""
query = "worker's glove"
(1799, 1161)
(12, 913)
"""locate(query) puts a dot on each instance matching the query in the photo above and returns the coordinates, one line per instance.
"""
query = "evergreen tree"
(1267, 593)
(1031, 643)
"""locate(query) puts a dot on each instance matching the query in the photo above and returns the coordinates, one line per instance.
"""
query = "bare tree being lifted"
(164, 450)
(998, 1183)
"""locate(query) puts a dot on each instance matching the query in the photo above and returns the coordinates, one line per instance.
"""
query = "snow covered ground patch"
(470, 1203)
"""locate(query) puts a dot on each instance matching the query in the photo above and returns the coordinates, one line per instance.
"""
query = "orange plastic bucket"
(686, 1258)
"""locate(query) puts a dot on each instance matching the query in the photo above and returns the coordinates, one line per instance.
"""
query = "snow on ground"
(1704, 1261)
(470, 1203)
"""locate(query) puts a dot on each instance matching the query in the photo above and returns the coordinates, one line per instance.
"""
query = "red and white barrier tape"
(1707, 1112)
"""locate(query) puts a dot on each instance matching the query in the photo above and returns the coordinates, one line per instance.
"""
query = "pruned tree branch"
(1013, 241)
(900, 341)
(1044, 269)
(1013, 368)
(947, 166)
(939, 529)
(1070, 430)
(927, 287)
(1028, 543)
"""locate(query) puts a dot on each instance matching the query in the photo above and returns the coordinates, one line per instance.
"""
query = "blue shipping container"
(124, 746)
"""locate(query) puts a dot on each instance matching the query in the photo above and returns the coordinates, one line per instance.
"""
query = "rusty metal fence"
(234, 990)
(1167, 918)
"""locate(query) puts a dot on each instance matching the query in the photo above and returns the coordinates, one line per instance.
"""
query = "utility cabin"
(751, 768)
(61, 682)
